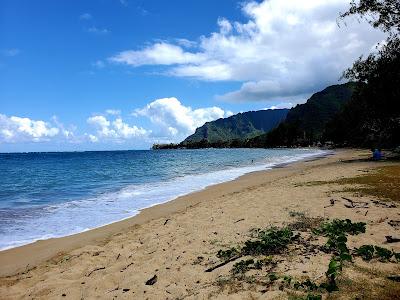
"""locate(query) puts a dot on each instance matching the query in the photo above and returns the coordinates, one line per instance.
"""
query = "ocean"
(45, 195)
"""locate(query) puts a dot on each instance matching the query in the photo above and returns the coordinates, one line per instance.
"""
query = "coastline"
(25, 257)
(178, 240)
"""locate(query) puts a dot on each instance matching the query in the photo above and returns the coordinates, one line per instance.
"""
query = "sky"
(124, 74)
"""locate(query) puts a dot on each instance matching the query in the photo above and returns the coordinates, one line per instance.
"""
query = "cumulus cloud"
(86, 16)
(287, 49)
(16, 129)
(176, 120)
(116, 130)
(158, 54)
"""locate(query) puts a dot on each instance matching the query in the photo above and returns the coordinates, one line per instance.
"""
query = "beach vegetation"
(227, 254)
(266, 247)
(368, 252)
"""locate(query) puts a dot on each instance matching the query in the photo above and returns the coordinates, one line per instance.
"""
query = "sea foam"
(62, 219)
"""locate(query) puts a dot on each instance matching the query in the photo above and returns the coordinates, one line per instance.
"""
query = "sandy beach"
(169, 246)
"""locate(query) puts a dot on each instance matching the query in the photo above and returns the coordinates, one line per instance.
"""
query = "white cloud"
(93, 138)
(175, 120)
(186, 43)
(286, 50)
(158, 54)
(99, 31)
(16, 129)
(113, 112)
(67, 133)
(116, 130)
(281, 105)
(86, 16)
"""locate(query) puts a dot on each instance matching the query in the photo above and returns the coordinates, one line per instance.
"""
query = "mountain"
(305, 123)
(241, 126)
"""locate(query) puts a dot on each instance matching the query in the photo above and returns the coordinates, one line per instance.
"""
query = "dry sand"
(178, 240)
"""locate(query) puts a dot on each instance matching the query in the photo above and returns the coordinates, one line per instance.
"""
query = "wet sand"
(178, 240)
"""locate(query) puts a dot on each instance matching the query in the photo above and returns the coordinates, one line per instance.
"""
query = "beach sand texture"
(177, 241)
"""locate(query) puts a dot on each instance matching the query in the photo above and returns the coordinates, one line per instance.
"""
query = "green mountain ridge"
(302, 125)
(237, 127)
(305, 123)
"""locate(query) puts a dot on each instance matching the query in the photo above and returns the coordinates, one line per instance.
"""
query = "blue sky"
(111, 74)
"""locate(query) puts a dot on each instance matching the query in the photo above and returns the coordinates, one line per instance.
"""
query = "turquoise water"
(44, 195)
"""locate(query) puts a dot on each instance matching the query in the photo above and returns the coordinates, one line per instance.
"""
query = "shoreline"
(25, 257)
(187, 184)
(167, 250)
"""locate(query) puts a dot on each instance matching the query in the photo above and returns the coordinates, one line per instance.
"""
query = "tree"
(383, 14)
(372, 117)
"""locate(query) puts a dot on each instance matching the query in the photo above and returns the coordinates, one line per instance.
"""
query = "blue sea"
(45, 195)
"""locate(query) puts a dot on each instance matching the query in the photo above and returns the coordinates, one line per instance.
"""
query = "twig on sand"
(238, 220)
(126, 267)
(97, 269)
(113, 290)
(166, 221)
(222, 264)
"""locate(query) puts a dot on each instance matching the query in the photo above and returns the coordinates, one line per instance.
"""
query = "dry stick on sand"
(126, 267)
(113, 290)
(97, 269)
(222, 264)
(238, 220)
(355, 204)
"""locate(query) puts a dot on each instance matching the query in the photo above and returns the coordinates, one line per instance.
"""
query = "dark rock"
(152, 280)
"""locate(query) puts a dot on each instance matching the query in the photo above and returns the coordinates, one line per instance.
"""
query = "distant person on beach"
(377, 154)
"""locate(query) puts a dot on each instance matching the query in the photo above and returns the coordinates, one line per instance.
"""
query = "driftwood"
(355, 204)
(237, 221)
(97, 269)
(391, 239)
(222, 264)
(394, 278)
(166, 221)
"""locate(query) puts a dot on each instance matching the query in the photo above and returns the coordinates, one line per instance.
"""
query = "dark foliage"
(372, 117)
(305, 123)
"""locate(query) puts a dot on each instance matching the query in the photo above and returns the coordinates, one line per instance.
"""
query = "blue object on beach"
(377, 155)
